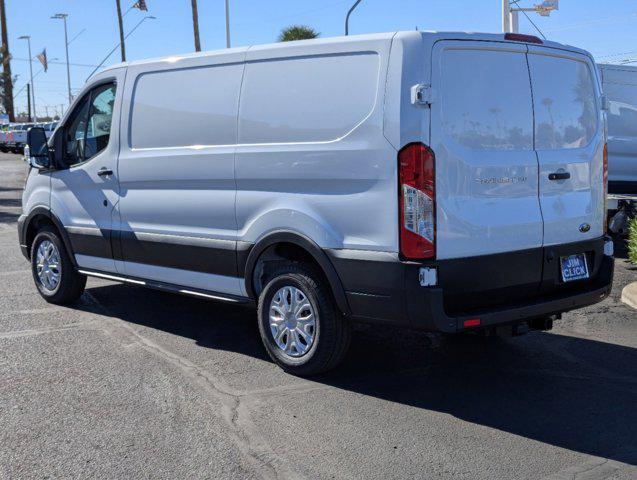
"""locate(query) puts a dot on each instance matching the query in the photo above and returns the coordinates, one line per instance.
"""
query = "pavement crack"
(42, 331)
(246, 436)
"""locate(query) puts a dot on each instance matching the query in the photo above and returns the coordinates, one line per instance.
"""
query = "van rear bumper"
(381, 288)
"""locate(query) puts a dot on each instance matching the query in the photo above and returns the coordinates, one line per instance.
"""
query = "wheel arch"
(36, 219)
(299, 241)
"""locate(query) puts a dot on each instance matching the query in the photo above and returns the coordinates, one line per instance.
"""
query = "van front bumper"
(497, 289)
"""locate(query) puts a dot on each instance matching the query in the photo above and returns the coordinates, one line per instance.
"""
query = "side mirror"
(38, 153)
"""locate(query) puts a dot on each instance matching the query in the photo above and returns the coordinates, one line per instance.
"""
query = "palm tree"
(297, 32)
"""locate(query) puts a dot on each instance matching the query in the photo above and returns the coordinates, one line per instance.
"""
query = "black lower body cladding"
(498, 289)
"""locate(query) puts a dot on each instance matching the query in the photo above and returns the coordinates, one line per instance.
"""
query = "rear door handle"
(104, 172)
(559, 176)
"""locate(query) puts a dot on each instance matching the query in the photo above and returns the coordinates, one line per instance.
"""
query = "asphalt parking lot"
(133, 383)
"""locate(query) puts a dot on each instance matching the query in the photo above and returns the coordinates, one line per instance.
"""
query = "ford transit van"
(447, 182)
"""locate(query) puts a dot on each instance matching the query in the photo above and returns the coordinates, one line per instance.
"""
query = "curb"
(629, 295)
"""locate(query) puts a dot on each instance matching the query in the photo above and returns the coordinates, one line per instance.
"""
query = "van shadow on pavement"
(573, 393)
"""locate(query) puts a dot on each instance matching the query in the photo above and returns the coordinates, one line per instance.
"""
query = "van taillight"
(417, 201)
(605, 177)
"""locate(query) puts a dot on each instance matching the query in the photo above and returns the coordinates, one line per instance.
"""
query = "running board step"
(167, 287)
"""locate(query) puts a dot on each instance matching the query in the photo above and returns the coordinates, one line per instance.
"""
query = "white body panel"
(312, 157)
(620, 86)
(218, 150)
(569, 138)
(81, 199)
(482, 135)
(504, 117)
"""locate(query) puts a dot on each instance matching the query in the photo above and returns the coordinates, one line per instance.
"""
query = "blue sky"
(606, 28)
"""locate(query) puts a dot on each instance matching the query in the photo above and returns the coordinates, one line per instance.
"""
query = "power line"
(87, 65)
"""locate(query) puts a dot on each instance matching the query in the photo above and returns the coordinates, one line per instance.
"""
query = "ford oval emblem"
(584, 227)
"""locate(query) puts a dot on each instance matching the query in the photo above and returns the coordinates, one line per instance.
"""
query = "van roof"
(430, 36)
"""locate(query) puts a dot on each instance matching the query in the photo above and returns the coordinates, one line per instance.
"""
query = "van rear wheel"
(55, 276)
(300, 325)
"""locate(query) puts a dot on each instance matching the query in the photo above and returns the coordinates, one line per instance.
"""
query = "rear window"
(486, 99)
(564, 101)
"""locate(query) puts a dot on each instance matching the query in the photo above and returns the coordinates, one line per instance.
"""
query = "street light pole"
(63, 16)
(227, 24)
(195, 25)
(28, 39)
(348, 14)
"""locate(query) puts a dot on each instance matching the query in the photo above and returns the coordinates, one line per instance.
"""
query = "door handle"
(104, 172)
(559, 176)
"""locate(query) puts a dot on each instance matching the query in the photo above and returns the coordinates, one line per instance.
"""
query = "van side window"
(89, 128)
(98, 128)
(75, 133)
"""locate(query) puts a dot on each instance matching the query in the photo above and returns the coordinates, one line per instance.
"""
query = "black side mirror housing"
(37, 151)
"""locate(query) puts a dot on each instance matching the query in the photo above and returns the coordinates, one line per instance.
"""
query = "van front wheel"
(55, 276)
(300, 325)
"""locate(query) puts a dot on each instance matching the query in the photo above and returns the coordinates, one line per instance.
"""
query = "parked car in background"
(49, 128)
(3, 137)
(17, 137)
(619, 83)
(447, 182)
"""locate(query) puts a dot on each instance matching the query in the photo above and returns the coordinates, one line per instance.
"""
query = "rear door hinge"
(421, 94)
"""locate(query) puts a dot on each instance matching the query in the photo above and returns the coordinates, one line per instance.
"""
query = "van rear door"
(486, 167)
(569, 141)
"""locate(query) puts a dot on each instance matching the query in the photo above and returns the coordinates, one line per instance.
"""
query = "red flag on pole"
(43, 60)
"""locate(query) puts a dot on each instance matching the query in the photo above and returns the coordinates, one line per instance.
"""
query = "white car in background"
(619, 83)
(17, 137)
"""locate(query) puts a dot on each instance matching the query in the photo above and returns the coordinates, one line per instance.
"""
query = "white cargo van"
(619, 83)
(440, 181)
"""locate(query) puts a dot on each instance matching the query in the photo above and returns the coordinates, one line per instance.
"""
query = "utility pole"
(29, 102)
(6, 66)
(121, 30)
(28, 39)
(506, 16)
(227, 24)
(510, 15)
(64, 16)
(195, 25)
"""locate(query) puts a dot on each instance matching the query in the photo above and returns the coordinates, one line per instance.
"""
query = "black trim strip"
(195, 254)
(90, 241)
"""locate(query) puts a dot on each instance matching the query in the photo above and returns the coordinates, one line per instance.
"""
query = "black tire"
(71, 284)
(332, 331)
